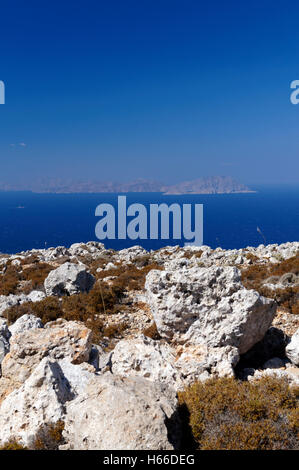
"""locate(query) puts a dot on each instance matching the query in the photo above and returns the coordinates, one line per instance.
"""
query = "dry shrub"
(128, 277)
(10, 280)
(191, 254)
(31, 272)
(231, 415)
(48, 309)
(152, 332)
(252, 257)
(13, 444)
(255, 276)
(36, 274)
(49, 436)
(84, 307)
(104, 299)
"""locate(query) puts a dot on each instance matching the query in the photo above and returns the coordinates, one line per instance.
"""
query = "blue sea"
(30, 220)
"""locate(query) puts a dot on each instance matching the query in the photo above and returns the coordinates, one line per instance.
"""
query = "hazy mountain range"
(205, 185)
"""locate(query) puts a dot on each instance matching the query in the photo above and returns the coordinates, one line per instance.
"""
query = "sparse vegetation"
(49, 437)
(256, 276)
(128, 277)
(85, 307)
(226, 414)
(25, 277)
(13, 444)
(152, 332)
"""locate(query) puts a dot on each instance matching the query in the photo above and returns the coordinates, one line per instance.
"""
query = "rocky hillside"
(204, 185)
(178, 348)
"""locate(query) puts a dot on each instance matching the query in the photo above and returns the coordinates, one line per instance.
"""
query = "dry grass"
(13, 444)
(152, 332)
(256, 276)
(226, 414)
(49, 437)
(31, 273)
(85, 307)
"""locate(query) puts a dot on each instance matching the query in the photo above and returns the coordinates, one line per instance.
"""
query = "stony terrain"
(98, 347)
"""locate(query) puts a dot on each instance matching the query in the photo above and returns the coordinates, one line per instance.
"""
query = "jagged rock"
(7, 301)
(4, 340)
(6, 387)
(208, 306)
(77, 375)
(24, 323)
(174, 258)
(199, 362)
(130, 254)
(94, 249)
(52, 254)
(123, 413)
(99, 358)
(58, 340)
(35, 296)
(69, 279)
(291, 374)
(175, 366)
(144, 357)
(292, 349)
(39, 401)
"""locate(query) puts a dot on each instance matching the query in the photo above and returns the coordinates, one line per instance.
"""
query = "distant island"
(210, 185)
(204, 185)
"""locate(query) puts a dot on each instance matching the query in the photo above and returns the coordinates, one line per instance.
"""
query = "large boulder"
(292, 349)
(174, 365)
(69, 279)
(210, 315)
(144, 357)
(58, 340)
(38, 402)
(24, 323)
(208, 306)
(122, 414)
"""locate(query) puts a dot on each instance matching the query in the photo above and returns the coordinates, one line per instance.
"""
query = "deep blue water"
(31, 220)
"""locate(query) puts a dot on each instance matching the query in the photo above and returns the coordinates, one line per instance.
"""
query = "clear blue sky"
(168, 90)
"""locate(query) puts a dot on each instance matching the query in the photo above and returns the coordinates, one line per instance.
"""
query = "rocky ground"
(96, 345)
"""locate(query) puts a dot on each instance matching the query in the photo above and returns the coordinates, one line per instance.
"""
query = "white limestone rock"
(208, 306)
(142, 356)
(24, 323)
(292, 349)
(69, 279)
(57, 340)
(7, 301)
(40, 400)
(122, 414)
(4, 340)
